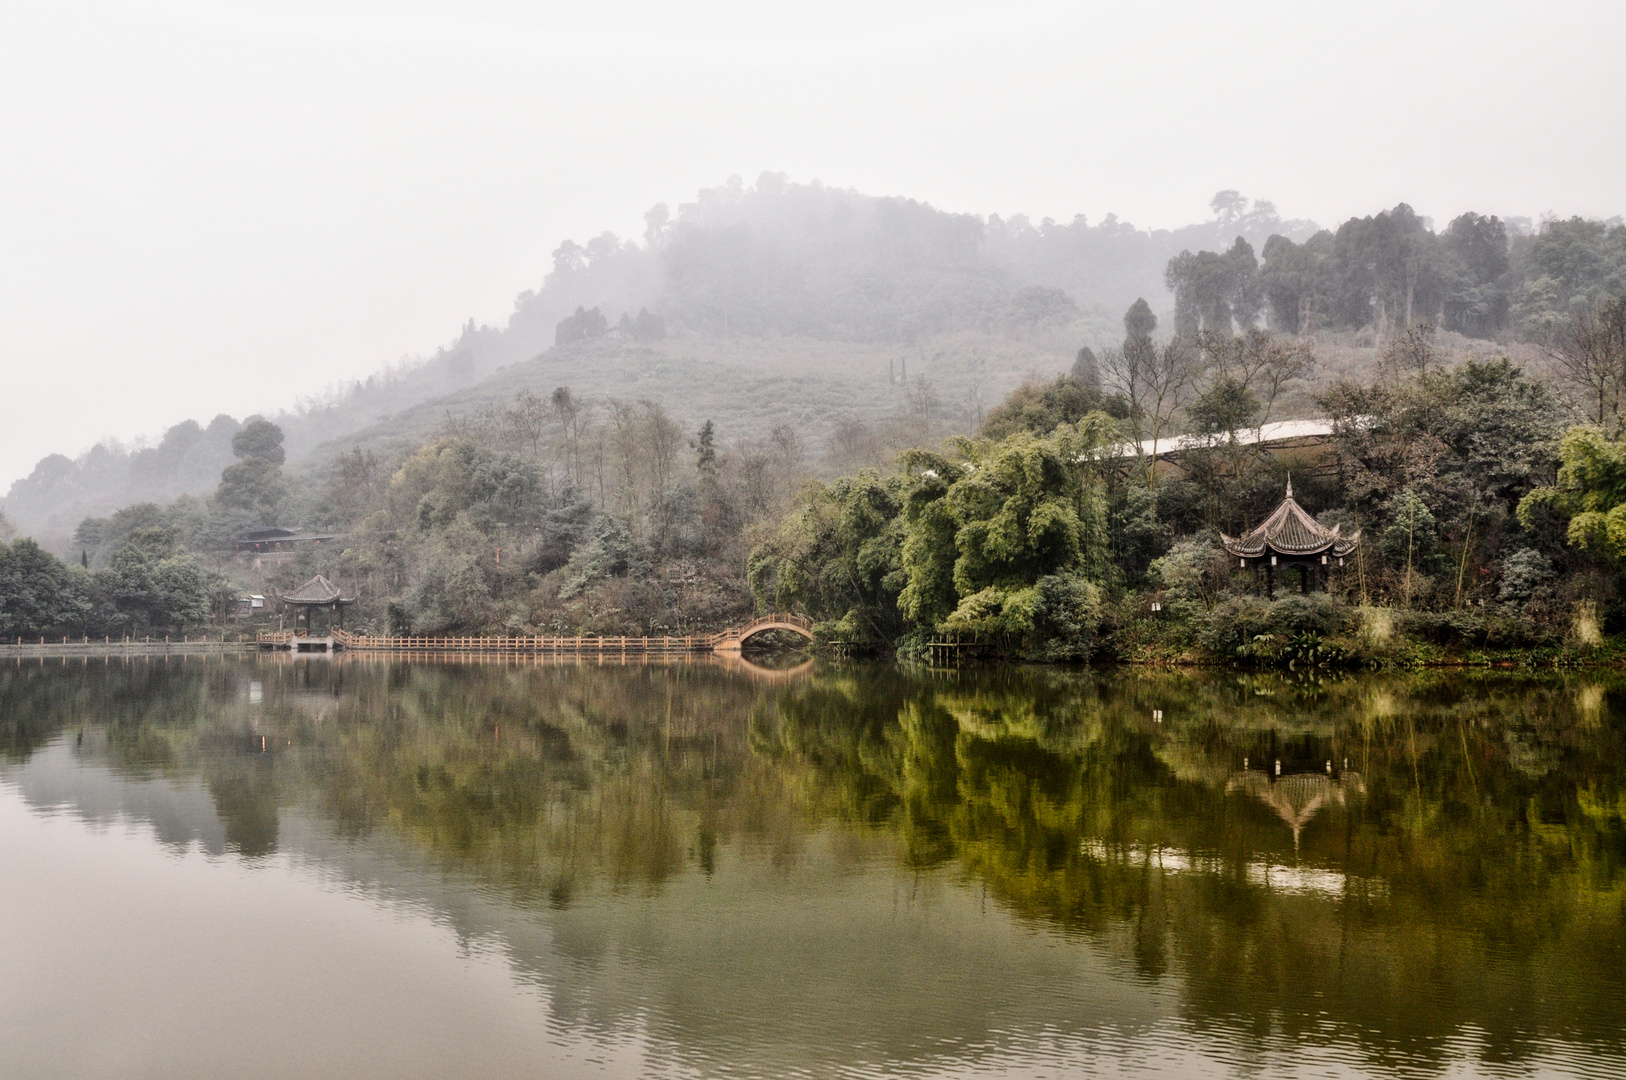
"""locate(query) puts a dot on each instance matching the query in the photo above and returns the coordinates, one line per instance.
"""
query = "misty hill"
(750, 287)
(781, 302)
(748, 386)
(61, 491)
(790, 267)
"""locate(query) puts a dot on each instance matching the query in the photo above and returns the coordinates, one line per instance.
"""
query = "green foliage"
(454, 477)
(1412, 535)
(1389, 270)
(38, 594)
(253, 491)
(1523, 573)
(259, 440)
(453, 592)
(1467, 443)
(1139, 324)
(1041, 408)
(1086, 368)
(153, 584)
(100, 538)
(187, 460)
(1565, 267)
(1006, 542)
(705, 452)
(1065, 618)
(837, 557)
(610, 551)
(1292, 631)
(1212, 291)
(583, 325)
(1189, 578)
(1139, 534)
(1225, 407)
(1382, 271)
(1502, 425)
(1591, 489)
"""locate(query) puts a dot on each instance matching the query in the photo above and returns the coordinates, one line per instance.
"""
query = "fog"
(226, 207)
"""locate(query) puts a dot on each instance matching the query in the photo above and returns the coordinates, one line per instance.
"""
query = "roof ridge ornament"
(1289, 485)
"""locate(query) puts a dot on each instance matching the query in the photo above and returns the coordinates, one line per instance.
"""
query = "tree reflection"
(1411, 856)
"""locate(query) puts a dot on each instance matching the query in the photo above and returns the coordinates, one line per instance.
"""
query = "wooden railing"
(525, 643)
(84, 644)
(548, 643)
(778, 620)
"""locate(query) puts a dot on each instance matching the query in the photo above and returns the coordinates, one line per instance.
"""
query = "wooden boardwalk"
(727, 642)
(130, 646)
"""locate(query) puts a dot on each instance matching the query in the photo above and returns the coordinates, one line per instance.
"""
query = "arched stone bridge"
(730, 640)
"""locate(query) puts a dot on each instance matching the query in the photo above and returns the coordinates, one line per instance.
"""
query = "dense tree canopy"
(259, 440)
(38, 594)
(838, 557)
(1592, 488)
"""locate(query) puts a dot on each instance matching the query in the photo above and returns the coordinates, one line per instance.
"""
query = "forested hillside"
(839, 312)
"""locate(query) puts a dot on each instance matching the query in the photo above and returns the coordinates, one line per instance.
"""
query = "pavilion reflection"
(1297, 797)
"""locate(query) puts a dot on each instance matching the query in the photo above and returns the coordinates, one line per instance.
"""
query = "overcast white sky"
(211, 207)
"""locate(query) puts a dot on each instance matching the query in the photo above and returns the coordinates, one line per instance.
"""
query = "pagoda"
(316, 594)
(1290, 537)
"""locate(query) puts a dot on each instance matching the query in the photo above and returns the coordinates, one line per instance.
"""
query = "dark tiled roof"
(318, 590)
(1290, 530)
(269, 532)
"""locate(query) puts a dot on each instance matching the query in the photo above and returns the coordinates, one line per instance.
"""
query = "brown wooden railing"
(525, 643)
(84, 644)
(727, 640)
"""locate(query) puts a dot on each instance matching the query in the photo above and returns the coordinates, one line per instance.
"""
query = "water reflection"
(861, 869)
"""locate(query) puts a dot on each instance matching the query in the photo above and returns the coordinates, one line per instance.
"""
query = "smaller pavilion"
(317, 594)
(1290, 537)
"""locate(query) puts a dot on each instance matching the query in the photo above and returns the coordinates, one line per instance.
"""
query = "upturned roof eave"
(1267, 537)
(1268, 548)
(327, 594)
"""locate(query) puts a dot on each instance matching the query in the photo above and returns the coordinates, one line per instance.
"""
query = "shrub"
(1293, 630)
(1523, 572)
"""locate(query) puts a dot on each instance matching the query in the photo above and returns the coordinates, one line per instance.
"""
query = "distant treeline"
(1390, 271)
(62, 490)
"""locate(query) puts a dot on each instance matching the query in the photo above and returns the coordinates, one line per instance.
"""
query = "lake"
(270, 867)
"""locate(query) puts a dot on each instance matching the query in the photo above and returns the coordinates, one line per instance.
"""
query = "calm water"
(278, 868)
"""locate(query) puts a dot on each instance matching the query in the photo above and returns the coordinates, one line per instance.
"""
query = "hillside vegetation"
(754, 284)
(749, 282)
(794, 396)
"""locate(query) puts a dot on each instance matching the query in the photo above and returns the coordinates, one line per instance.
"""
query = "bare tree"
(916, 422)
(1262, 364)
(1589, 354)
(1156, 380)
(662, 442)
(526, 419)
(354, 484)
(852, 444)
(624, 433)
(568, 408)
(1413, 352)
(787, 447)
